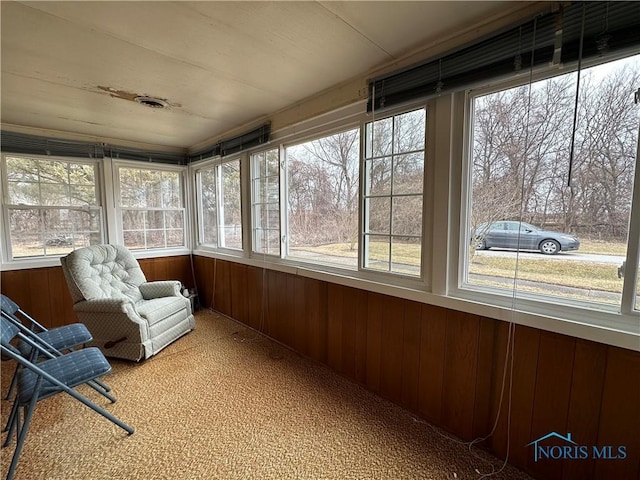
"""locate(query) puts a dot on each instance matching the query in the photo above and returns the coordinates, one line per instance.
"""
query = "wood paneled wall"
(447, 366)
(43, 292)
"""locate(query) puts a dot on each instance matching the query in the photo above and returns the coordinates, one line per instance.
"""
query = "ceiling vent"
(151, 102)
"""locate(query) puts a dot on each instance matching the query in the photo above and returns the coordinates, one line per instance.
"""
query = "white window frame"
(118, 222)
(363, 245)
(255, 227)
(216, 163)
(6, 248)
(615, 324)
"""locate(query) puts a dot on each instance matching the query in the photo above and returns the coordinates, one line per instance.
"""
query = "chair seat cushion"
(71, 369)
(158, 309)
(61, 338)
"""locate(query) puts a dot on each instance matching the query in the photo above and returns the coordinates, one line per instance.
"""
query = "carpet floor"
(224, 403)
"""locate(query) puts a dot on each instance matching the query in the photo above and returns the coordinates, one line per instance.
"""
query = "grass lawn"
(547, 272)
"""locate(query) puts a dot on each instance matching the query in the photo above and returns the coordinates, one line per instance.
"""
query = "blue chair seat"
(61, 338)
(73, 369)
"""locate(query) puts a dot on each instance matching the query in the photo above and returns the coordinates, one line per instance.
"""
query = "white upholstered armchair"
(128, 317)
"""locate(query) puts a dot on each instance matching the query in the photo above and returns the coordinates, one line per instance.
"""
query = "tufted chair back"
(103, 271)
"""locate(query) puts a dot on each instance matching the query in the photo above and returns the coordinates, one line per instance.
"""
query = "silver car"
(523, 236)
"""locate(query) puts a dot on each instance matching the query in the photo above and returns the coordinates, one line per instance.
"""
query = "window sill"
(611, 329)
(54, 261)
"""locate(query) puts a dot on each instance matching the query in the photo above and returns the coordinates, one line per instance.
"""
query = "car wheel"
(481, 244)
(549, 247)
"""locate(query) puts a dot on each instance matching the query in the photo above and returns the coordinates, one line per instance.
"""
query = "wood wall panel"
(374, 341)
(553, 391)
(444, 365)
(583, 417)
(448, 367)
(620, 414)
(392, 346)
(432, 351)
(460, 366)
(411, 355)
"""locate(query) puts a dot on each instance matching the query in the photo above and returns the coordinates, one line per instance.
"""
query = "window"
(322, 199)
(219, 205)
(151, 205)
(265, 187)
(393, 191)
(538, 222)
(51, 205)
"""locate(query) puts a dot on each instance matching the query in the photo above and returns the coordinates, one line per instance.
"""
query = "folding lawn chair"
(37, 381)
(62, 338)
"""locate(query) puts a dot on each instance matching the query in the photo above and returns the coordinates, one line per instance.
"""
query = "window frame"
(253, 220)
(6, 247)
(558, 314)
(426, 189)
(217, 163)
(117, 219)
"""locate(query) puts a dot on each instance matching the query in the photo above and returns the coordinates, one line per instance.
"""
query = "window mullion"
(628, 303)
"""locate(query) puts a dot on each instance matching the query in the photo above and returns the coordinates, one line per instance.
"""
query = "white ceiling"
(219, 65)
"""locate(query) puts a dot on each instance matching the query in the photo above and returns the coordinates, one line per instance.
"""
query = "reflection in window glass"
(520, 201)
(152, 213)
(394, 179)
(322, 188)
(220, 212)
(52, 205)
(265, 185)
(231, 211)
(208, 188)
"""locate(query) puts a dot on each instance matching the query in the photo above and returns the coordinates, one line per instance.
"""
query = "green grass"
(547, 272)
(567, 273)
(599, 247)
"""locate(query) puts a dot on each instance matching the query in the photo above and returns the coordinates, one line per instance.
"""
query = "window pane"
(405, 255)
(409, 131)
(576, 237)
(407, 215)
(378, 214)
(152, 207)
(323, 180)
(377, 250)
(266, 202)
(378, 172)
(408, 173)
(171, 190)
(27, 233)
(134, 240)
(140, 188)
(394, 193)
(155, 239)
(37, 232)
(379, 142)
(154, 219)
(50, 182)
(232, 213)
(209, 209)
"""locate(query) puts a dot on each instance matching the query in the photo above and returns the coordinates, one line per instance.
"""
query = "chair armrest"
(120, 305)
(164, 288)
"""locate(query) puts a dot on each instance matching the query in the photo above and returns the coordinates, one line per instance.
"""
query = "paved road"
(574, 256)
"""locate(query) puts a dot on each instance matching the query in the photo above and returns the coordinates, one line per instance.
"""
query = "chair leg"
(103, 385)
(14, 417)
(101, 391)
(22, 436)
(14, 382)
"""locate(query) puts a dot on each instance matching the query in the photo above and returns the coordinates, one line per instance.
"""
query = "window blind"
(552, 37)
(253, 138)
(15, 142)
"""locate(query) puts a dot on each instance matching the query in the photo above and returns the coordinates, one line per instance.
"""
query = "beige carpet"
(222, 403)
